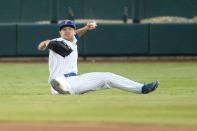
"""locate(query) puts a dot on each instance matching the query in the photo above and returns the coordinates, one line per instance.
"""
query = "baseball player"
(63, 57)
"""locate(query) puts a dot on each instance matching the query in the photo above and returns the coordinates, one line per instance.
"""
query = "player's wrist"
(86, 28)
(47, 42)
(42, 46)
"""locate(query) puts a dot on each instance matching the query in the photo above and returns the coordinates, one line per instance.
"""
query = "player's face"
(67, 33)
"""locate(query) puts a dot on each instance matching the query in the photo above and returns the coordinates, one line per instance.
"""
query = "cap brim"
(67, 26)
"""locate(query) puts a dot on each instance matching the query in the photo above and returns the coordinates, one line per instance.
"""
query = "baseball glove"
(60, 48)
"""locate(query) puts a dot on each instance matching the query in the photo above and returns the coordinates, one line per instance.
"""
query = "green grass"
(25, 96)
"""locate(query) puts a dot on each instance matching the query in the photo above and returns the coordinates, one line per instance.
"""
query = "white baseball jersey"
(59, 65)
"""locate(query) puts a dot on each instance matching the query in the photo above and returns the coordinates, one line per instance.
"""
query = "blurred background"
(125, 27)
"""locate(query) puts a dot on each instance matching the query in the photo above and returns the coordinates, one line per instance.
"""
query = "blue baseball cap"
(68, 23)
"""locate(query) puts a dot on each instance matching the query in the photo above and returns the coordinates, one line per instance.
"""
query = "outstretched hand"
(91, 25)
(43, 45)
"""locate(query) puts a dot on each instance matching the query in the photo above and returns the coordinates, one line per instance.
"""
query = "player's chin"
(68, 37)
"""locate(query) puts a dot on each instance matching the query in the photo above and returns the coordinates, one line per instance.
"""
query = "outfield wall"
(48, 10)
(106, 40)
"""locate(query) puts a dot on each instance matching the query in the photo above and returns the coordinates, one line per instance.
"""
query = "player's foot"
(58, 87)
(150, 87)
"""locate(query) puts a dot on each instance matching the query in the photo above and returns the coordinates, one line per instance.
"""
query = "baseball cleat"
(150, 87)
(58, 87)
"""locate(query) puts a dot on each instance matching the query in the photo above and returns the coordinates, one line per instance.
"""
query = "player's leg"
(76, 84)
(120, 82)
(86, 83)
(102, 80)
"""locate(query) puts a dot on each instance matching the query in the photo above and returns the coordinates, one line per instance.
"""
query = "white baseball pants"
(96, 80)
